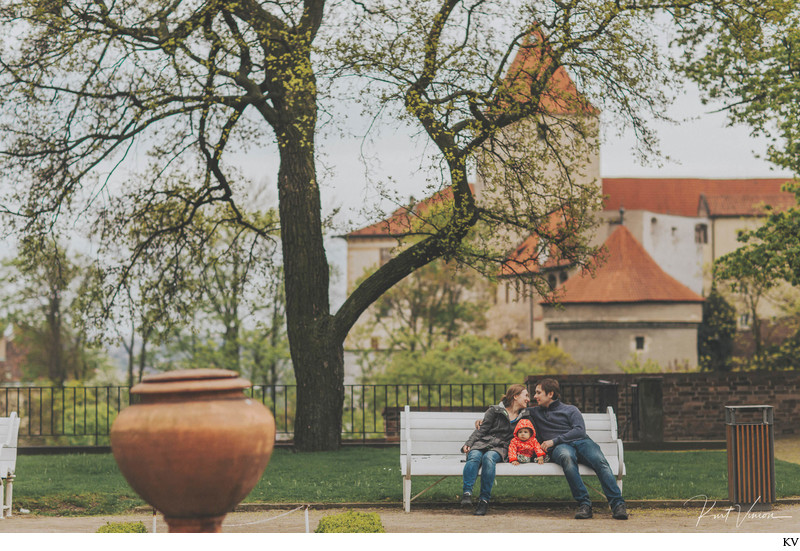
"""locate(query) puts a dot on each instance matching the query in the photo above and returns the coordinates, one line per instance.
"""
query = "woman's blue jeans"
(586, 451)
(485, 460)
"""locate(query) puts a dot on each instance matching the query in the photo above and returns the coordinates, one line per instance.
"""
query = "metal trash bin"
(751, 456)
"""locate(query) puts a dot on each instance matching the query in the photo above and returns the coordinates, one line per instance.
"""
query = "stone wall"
(694, 403)
(10, 361)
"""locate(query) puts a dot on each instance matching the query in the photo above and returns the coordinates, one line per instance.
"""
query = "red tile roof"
(628, 274)
(560, 97)
(526, 259)
(745, 205)
(681, 196)
(402, 220)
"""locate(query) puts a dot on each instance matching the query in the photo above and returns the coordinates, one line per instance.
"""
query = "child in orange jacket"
(524, 444)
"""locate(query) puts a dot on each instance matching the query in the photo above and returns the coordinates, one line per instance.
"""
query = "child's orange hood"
(525, 424)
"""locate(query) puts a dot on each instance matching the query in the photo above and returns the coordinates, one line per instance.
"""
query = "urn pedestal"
(194, 446)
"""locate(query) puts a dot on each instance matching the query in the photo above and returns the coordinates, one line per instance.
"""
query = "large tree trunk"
(317, 355)
(319, 370)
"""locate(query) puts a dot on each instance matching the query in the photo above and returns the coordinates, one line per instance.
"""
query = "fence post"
(651, 410)
(609, 395)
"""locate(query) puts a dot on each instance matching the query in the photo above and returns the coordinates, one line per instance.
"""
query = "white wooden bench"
(9, 431)
(430, 445)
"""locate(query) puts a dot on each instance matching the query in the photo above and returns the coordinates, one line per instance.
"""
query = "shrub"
(120, 527)
(472, 359)
(351, 522)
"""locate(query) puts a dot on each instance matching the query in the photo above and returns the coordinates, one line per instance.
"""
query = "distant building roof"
(402, 220)
(530, 258)
(628, 274)
(681, 196)
(744, 205)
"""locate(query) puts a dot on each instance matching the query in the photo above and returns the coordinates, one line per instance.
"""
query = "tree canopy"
(715, 335)
(45, 290)
(472, 359)
(745, 56)
(128, 116)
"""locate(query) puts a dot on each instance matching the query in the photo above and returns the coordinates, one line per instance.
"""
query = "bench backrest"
(443, 433)
(9, 431)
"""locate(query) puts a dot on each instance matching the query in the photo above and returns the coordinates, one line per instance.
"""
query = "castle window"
(639, 343)
(744, 321)
(701, 233)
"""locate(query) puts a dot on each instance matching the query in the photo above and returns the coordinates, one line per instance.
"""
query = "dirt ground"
(696, 516)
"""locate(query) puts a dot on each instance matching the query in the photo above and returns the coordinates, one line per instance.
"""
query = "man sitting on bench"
(562, 433)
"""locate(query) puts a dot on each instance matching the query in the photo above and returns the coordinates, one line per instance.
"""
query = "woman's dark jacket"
(495, 432)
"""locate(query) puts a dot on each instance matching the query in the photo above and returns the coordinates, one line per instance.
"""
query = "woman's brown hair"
(512, 392)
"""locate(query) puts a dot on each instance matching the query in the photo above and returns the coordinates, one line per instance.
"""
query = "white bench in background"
(430, 445)
(9, 431)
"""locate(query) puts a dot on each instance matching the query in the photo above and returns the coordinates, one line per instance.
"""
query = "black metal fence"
(82, 416)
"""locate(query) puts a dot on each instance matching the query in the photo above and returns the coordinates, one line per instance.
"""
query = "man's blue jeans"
(586, 451)
(485, 460)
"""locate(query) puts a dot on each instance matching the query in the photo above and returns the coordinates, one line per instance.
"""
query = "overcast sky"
(701, 146)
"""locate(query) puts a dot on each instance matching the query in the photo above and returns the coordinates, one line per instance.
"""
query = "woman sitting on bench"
(488, 444)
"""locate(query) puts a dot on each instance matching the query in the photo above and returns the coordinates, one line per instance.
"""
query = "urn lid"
(191, 380)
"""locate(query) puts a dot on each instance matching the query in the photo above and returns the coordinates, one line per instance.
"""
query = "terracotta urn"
(194, 446)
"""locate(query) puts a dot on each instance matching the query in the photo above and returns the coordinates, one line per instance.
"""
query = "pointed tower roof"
(629, 274)
(560, 95)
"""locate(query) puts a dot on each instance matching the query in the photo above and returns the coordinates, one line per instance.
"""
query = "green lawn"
(92, 484)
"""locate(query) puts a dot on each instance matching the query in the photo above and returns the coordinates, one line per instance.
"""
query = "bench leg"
(619, 483)
(407, 494)
(9, 492)
(2, 500)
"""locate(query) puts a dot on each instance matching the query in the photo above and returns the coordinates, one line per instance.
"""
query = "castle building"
(662, 234)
